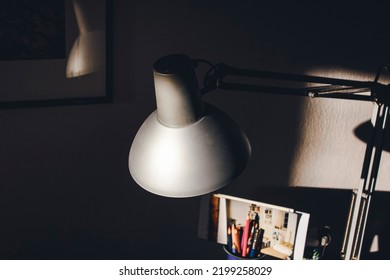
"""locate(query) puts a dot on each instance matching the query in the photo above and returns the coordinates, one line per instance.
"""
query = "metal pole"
(361, 197)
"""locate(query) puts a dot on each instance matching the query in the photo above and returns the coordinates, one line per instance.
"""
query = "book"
(253, 229)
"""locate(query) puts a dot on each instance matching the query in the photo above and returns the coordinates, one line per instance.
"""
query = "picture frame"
(55, 52)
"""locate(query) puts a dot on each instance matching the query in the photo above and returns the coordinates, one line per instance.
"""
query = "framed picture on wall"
(54, 52)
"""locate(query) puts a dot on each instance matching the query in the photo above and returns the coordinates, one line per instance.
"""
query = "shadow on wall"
(364, 131)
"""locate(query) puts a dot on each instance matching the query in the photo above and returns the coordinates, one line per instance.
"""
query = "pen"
(234, 251)
(236, 237)
(251, 236)
(252, 251)
(229, 237)
(245, 236)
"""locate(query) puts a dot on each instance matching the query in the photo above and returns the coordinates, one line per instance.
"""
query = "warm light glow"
(88, 51)
(374, 244)
(86, 55)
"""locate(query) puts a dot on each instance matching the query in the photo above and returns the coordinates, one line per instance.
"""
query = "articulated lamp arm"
(327, 88)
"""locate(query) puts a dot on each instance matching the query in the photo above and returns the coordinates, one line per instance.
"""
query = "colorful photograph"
(252, 229)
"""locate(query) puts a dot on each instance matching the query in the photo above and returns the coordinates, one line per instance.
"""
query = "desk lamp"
(188, 147)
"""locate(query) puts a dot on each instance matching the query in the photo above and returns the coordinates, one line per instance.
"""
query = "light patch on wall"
(87, 54)
(329, 154)
(374, 244)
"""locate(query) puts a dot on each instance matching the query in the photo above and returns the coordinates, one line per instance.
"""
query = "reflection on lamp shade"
(186, 147)
(87, 54)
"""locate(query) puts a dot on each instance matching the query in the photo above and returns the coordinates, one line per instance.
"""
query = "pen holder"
(231, 256)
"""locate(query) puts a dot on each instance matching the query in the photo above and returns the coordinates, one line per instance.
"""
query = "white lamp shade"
(191, 160)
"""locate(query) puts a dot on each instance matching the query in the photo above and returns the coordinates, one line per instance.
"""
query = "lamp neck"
(179, 102)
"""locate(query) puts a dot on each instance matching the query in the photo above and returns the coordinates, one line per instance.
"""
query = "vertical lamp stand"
(361, 197)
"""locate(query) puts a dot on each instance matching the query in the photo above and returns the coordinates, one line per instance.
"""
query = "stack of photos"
(252, 229)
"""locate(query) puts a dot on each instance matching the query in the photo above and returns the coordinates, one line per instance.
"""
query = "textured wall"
(332, 139)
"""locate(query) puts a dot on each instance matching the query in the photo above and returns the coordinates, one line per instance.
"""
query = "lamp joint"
(381, 93)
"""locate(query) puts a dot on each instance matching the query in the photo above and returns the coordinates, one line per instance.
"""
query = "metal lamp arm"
(325, 87)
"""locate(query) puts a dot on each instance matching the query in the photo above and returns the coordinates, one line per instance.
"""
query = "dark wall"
(65, 190)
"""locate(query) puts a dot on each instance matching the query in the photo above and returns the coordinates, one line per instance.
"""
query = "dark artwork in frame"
(54, 52)
(32, 29)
